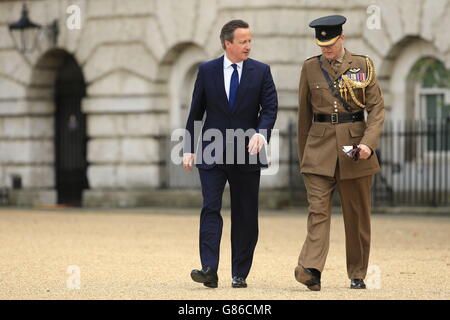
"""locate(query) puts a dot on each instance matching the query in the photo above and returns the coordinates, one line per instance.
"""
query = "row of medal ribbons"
(360, 77)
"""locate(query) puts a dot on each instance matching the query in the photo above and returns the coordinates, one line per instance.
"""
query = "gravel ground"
(149, 253)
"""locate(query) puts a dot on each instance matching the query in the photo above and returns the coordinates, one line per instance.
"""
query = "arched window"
(432, 101)
(180, 66)
(186, 93)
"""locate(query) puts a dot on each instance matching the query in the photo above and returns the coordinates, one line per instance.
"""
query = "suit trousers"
(244, 189)
(355, 196)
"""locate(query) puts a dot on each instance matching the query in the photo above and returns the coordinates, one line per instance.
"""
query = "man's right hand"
(188, 161)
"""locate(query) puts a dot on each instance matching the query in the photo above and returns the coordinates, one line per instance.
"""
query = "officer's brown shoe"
(309, 277)
(208, 277)
(357, 284)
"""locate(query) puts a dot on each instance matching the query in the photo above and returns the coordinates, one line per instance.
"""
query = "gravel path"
(149, 253)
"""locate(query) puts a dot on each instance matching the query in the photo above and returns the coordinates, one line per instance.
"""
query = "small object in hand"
(352, 152)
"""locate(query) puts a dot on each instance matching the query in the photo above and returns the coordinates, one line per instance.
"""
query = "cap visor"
(328, 42)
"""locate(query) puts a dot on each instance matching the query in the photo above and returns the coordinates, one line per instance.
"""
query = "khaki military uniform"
(326, 167)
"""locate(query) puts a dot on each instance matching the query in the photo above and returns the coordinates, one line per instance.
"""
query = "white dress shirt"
(228, 71)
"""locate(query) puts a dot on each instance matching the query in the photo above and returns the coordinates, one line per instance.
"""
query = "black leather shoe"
(208, 277)
(310, 277)
(357, 284)
(238, 282)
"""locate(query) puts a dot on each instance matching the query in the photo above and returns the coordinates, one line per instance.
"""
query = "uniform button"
(317, 87)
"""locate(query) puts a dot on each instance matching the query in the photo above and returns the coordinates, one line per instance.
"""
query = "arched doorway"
(70, 133)
(55, 92)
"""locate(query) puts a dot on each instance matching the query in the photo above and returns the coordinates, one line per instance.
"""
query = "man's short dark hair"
(227, 32)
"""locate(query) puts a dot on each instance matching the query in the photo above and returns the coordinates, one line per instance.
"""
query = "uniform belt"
(336, 118)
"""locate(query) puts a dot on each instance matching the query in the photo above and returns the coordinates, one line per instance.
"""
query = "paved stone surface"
(148, 254)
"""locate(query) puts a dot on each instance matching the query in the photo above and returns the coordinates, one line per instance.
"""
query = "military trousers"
(355, 196)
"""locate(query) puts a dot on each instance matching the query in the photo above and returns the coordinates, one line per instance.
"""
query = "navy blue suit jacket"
(256, 108)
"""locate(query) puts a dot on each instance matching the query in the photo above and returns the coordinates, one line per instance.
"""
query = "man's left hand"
(255, 145)
(365, 152)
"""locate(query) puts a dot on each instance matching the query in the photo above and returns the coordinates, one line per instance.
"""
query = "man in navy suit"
(239, 98)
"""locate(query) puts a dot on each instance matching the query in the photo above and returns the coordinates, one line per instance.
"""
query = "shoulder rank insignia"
(311, 58)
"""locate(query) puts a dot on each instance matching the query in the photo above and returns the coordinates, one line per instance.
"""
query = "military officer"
(340, 104)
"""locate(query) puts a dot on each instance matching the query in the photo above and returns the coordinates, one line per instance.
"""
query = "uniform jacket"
(320, 143)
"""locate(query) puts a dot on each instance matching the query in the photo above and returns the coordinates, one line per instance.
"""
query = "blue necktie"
(234, 84)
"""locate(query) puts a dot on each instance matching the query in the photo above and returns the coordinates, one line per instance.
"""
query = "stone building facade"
(122, 84)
